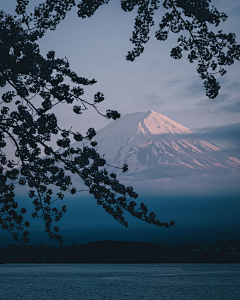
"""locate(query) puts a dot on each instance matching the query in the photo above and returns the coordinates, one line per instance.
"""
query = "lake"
(120, 281)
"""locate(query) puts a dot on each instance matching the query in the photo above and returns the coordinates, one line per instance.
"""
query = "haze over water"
(120, 281)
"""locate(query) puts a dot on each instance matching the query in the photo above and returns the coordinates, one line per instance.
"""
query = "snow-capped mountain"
(153, 145)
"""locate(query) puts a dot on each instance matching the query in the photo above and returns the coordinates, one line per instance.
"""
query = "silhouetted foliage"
(190, 19)
(33, 86)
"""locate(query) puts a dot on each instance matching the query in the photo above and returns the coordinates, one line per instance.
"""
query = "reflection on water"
(120, 281)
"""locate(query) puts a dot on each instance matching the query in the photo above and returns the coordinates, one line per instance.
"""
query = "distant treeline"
(123, 252)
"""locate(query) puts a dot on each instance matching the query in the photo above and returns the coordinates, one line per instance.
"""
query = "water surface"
(120, 281)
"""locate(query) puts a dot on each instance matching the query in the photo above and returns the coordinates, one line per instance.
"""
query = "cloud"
(227, 137)
(235, 85)
(232, 108)
(152, 98)
(208, 184)
(220, 98)
(227, 132)
(194, 89)
(181, 182)
(235, 11)
(173, 82)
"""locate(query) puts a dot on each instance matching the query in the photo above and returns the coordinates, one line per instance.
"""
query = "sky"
(96, 48)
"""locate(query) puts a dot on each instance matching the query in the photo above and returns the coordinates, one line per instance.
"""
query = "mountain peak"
(150, 143)
(146, 123)
(157, 123)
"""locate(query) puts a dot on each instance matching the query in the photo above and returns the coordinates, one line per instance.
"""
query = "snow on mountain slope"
(151, 142)
(156, 123)
(122, 137)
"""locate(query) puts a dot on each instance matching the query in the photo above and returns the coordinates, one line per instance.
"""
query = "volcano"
(153, 145)
(151, 141)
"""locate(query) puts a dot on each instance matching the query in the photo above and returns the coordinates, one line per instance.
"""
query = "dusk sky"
(96, 48)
